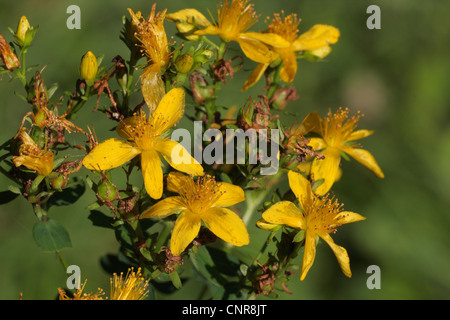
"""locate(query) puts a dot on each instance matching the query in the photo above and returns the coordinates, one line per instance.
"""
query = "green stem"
(253, 202)
(61, 259)
(163, 235)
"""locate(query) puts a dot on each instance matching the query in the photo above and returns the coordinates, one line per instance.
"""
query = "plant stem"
(61, 259)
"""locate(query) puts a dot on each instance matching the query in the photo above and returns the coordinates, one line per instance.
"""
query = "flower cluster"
(177, 208)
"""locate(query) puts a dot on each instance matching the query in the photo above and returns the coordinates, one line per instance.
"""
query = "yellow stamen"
(133, 287)
(286, 26)
(336, 128)
(322, 214)
(200, 195)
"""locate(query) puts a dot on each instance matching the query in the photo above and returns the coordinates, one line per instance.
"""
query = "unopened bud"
(58, 181)
(40, 117)
(184, 63)
(22, 29)
(88, 68)
(8, 57)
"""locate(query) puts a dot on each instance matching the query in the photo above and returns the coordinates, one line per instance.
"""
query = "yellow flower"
(201, 200)
(133, 287)
(79, 295)
(337, 135)
(318, 217)
(316, 40)
(144, 138)
(235, 18)
(32, 157)
(88, 67)
(153, 40)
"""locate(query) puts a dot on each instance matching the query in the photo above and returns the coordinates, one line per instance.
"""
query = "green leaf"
(205, 265)
(51, 236)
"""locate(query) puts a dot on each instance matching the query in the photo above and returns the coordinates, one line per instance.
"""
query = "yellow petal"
(309, 253)
(340, 253)
(255, 76)
(256, 51)
(164, 208)
(312, 122)
(349, 217)
(110, 154)
(289, 68)
(285, 212)
(191, 16)
(365, 158)
(300, 186)
(327, 169)
(304, 167)
(317, 143)
(152, 86)
(185, 230)
(317, 37)
(178, 157)
(208, 30)
(152, 173)
(175, 180)
(169, 111)
(231, 195)
(271, 39)
(359, 134)
(226, 225)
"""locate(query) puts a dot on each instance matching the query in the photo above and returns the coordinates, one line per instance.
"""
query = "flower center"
(235, 18)
(144, 132)
(322, 214)
(200, 195)
(336, 128)
(287, 27)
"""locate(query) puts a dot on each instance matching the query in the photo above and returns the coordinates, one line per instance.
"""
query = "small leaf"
(14, 189)
(51, 236)
(300, 236)
(175, 278)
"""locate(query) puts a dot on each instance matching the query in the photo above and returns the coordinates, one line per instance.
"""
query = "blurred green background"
(397, 76)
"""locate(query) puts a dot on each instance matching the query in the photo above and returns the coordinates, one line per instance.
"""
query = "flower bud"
(89, 67)
(184, 63)
(22, 29)
(8, 57)
(40, 117)
(58, 181)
